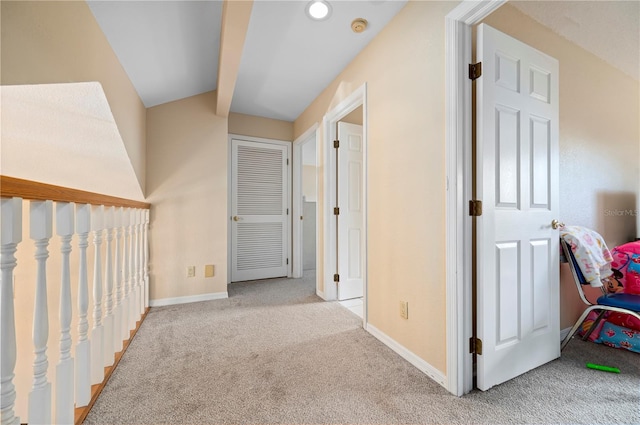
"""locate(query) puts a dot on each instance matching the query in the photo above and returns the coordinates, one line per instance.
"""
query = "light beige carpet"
(274, 353)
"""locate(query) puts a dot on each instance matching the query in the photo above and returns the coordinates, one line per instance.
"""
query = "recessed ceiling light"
(318, 10)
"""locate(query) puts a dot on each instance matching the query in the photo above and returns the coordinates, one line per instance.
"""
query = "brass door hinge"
(475, 70)
(336, 144)
(336, 278)
(475, 208)
(475, 346)
(336, 211)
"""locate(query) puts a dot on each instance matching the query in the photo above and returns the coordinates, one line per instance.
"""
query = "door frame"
(297, 240)
(329, 121)
(458, 54)
(285, 143)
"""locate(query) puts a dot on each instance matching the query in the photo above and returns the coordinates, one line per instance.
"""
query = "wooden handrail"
(27, 189)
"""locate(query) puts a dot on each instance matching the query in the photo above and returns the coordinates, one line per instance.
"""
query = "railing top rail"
(27, 189)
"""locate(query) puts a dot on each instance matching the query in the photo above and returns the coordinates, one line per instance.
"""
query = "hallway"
(273, 352)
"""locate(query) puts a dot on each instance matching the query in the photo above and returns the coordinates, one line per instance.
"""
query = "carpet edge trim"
(408, 355)
(188, 299)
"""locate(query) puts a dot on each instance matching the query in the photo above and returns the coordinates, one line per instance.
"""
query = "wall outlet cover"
(191, 271)
(208, 270)
(404, 309)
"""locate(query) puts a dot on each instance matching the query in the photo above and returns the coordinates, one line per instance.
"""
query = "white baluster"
(10, 237)
(138, 263)
(146, 259)
(64, 370)
(126, 222)
(108, 355)
(97, 333)
(133, 282)
(132, 266)
(117, 312)
(132, 271)
(141, 265)
(83, 348)
(41, 229)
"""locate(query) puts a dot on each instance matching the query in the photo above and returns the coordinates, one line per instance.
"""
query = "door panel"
(259, 210)
(351, 218)
(517, 180)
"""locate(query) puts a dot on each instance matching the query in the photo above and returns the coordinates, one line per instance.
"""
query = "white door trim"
(458, 49)
(297, 247)
(354, 100)
(230, 137)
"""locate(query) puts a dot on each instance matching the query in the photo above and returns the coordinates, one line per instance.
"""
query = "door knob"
(555, 224)
(236, 218)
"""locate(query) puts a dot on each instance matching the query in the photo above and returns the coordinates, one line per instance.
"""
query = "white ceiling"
(170, 48)
(288, 59)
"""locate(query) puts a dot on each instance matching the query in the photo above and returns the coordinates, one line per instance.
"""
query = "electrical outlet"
(404, 309)
(208, 270)
(191, 271)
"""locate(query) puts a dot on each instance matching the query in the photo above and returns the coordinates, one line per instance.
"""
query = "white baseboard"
(320, 294)
(422, 365)
(188, 299)
(564, 332)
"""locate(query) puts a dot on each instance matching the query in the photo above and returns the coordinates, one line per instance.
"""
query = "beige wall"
(61, 42)
(599, 140)
(599, 150)
(406, 174)
(250, 125)
(187, 187)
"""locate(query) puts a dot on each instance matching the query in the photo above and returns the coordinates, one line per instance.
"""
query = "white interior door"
(517, 181)
(351, 217)
(259, 210)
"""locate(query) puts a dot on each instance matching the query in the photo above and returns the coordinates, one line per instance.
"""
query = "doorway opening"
(345, 200)
(349, 130)
(305, 205)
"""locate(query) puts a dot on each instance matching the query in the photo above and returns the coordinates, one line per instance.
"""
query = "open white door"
(259, 199)
(517, 181)
(351, 217)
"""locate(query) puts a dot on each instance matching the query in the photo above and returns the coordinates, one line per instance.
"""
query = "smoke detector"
(359, 25)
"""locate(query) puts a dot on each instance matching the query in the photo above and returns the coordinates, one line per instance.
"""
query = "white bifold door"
(517, 181)
(259, 210)
(351, 218)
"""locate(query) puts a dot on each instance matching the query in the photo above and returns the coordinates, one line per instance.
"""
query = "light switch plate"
(208, 270)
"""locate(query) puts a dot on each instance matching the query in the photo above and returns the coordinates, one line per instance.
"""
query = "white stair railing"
(140, 309)
(83, 347)
(118, 310)
(97, 333)
(146, 259)
(10, 237)
(126, 261)
(64, 371)
(120, 295)
(41, 230)
(133, 304)
(109, 347)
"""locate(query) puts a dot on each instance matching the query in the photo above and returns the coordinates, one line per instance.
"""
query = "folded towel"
(591, 252)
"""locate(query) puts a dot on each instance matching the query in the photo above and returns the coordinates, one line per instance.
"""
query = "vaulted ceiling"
(171, 49)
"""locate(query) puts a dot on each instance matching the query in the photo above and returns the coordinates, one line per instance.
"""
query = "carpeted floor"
(274, 353)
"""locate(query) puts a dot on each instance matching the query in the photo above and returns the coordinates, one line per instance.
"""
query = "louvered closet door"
(259, 210)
